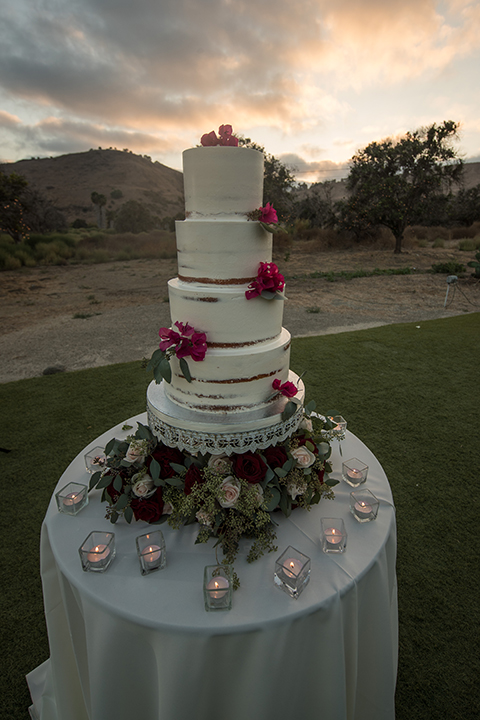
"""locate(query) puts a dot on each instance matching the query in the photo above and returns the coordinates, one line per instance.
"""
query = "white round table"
(125, 646)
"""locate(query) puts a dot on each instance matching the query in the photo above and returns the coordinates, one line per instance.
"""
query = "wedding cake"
(228, 397)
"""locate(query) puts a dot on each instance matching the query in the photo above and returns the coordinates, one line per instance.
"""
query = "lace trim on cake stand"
(194, 441)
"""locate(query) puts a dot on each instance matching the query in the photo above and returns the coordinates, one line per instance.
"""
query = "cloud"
(313, 171)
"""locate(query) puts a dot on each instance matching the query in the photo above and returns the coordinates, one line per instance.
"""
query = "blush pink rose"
(231, 491)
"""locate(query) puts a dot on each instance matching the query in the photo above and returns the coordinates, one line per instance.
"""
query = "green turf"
(410, 393)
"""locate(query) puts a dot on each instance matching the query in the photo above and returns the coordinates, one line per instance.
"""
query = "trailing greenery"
(410, 392)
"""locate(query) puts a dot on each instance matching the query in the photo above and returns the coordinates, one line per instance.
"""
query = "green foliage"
(390, 180)
(278, 181)
(475, 264)
(449, 268)
(133, 217)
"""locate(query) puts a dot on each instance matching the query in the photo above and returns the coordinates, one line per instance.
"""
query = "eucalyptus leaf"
(185, 370)
(104, 482)
(166, 370)
(310, 446)
(280, 472)
(274, 500)
(288, 465)
(310, 407)
(109, 446)
(289, 410)
(143, 431)
(128, 514)
(157, 375)
(269, 475)
(268, 295)
(94, 479)
(324, 449)
(114, 517)
(180, 469)
(122, 502)
(159, 482)
(175, 481)
(331, 482)
(156, 358)
(154, 469)
(118, 483)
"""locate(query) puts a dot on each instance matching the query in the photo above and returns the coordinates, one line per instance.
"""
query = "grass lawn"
(409, 392)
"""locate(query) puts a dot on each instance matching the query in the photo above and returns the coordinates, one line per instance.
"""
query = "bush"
(469, 244)
(449, 268)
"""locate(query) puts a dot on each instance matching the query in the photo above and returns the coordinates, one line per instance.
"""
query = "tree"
(277, 181)
(390, 180)
(100, 201)
(12, 209)
(133, 217)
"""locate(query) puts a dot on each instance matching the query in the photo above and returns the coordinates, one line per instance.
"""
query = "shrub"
(469, 244)
(449, 268)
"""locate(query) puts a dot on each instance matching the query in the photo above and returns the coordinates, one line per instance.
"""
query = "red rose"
(164, 456)
(150, 509)
(192, 477)
(276, 456)
(250, 467)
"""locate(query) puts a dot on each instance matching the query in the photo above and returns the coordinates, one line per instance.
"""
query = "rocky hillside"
(69, 180)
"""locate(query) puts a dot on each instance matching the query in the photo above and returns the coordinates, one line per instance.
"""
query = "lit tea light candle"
(98, 553)
(363, 507)
(72, 499)
(152, 553)
(334, 536)
(355, 474)
(220, 587)
(292, 567)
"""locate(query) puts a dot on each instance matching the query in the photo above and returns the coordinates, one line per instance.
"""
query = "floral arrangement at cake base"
(229, 497)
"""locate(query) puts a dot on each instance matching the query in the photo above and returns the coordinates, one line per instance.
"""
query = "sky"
(313, 81)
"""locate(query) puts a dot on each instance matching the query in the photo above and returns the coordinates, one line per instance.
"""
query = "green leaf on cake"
(165, 370)
(289, 410)
(274, 500)
(122, 502)
(185, 370)
(143, 432)
(156, 358)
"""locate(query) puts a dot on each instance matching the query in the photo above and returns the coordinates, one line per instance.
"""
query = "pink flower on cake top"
(225, 137)
(269, 283)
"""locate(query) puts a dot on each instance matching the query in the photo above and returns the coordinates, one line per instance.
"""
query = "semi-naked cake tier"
(230, 404)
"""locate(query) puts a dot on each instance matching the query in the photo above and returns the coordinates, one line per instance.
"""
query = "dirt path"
(82, 316)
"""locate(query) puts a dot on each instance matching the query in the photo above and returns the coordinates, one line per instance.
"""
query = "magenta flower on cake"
(185, 343)
(288, 389)
(268, 214)
(226, 138)
(268, 283)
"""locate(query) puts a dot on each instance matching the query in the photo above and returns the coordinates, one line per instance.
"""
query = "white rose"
(220, 464)
(143, 487)
(303, 456)
(203, 518)
(306, 424)
(136, 451)
(231, 490)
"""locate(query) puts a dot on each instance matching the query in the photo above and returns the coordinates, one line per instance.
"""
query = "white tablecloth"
(130, 647)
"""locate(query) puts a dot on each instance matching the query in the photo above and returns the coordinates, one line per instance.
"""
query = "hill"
(69, 180)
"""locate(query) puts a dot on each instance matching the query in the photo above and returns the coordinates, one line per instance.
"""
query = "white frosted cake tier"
(221, 252)
(232, 379)
(228, 432)
(224, 313)
(222, 180)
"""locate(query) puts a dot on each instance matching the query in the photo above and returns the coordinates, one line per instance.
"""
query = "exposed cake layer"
(221, 252)
(232, 380)
(222, 180)
(224, 313)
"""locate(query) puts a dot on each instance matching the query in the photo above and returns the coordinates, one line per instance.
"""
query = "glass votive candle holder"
(217, 587)
(97, 551)
(364, 505)
(72, 498)
(354, 472)
(334, 535)
(340, 426)
(292, 572)
(151, 552)
(95, 459)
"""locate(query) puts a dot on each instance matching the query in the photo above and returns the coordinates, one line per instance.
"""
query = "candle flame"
(97, 549)
(292, 564)
(333, 531)
(150, 549)
(216, 584)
